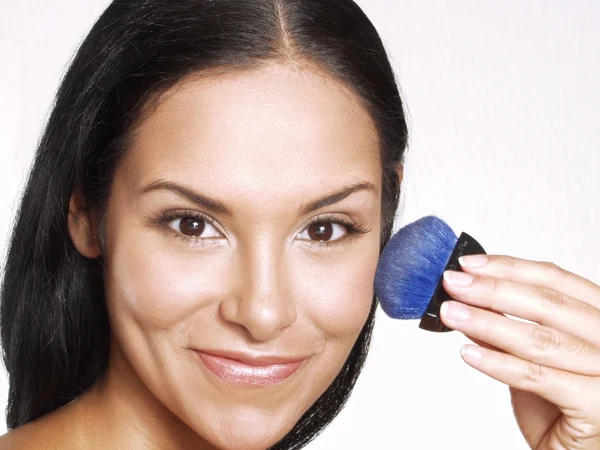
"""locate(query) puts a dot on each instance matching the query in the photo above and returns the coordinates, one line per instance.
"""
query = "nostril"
(229, 311)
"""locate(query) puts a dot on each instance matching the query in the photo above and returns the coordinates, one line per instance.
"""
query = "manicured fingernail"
(458, 278)
(472, 260)
(454, 311)
(471, 352)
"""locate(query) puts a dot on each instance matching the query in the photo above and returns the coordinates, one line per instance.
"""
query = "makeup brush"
(408, 280)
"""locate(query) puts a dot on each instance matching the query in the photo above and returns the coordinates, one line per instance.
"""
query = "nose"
(260, 301)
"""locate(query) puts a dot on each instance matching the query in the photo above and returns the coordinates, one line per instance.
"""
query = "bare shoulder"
(21, 438)
(49, 432)
(13, 440)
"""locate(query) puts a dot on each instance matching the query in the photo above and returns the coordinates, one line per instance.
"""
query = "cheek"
(340, 293)
(158, 286)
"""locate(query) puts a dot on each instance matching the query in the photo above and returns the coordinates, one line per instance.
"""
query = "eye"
(324, 231)
(194, 227)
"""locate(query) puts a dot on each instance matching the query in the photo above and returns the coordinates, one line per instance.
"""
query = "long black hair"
(53, 319)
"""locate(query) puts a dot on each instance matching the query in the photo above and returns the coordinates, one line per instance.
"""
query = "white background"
(503, 102)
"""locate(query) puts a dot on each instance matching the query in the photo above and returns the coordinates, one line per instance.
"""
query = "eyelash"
(353, 228)
(165, 218)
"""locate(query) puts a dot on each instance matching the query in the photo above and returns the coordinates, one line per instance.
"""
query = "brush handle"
(466, 245)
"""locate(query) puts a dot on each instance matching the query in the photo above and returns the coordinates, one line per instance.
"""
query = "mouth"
(243, 370)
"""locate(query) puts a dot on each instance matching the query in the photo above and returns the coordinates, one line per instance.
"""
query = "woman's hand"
(551, 365)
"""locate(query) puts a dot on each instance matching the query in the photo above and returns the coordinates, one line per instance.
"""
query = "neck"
(119, 411)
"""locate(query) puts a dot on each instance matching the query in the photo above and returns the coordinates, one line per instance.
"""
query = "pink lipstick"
(240, 370)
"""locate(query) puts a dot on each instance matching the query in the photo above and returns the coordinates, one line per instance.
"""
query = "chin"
(244, 429)
(261, 438)
(246, 445)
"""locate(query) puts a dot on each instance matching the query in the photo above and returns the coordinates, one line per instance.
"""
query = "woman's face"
(236, 284)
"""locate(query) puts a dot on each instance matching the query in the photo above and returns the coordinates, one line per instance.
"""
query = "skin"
(265, 144)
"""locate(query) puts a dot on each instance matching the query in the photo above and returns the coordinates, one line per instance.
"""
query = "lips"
(243, 370)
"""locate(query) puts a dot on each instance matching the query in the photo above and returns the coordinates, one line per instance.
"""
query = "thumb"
(535, 415)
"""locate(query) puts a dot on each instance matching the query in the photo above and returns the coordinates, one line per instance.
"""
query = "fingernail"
(472, 260)
(458, 278)
(471, 352)
(454, 311)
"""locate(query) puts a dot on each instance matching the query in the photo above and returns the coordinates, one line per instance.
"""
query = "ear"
(400, 172)
(83, 227)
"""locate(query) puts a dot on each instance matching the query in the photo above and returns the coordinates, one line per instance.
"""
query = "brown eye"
(324, 231)
(191, 226)
(320, 231)
(194, 227)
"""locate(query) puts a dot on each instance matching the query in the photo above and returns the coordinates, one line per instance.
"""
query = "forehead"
(278, 127)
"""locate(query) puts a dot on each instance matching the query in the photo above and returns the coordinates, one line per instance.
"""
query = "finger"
(482, 343)
(531, 342)
(542, 305)
(566, 390)
(535, 273)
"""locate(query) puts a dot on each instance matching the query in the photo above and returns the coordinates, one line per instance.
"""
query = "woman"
(212, 192)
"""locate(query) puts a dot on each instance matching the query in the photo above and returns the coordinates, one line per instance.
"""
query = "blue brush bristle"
(411, 266)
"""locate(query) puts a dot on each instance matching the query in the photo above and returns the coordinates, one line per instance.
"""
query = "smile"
(249, 372)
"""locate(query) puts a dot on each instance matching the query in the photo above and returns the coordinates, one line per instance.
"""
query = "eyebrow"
(219, 207)
(338, 196)
(190, 194)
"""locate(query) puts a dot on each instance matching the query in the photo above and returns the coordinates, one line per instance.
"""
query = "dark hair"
(53, 319)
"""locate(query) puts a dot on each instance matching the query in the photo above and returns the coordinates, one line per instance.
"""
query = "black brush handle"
(431, 321)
